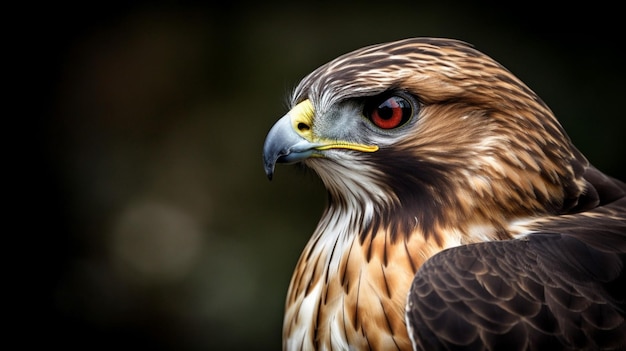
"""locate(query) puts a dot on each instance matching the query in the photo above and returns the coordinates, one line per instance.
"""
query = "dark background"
(149, 222)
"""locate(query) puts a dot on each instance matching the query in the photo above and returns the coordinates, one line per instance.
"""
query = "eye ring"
(389, 111)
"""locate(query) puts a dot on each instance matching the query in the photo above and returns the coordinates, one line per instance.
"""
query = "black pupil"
(385, 111)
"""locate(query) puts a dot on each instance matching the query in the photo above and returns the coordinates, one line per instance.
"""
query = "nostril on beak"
(303, 127)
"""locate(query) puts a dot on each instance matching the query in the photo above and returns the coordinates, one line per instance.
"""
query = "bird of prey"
(459, 215)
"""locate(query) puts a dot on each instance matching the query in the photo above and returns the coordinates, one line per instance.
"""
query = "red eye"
(391, 113)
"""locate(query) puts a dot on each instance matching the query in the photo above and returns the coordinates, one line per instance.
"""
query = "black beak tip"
(269, 169)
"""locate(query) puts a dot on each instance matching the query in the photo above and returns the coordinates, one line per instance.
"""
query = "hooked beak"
(291, 139)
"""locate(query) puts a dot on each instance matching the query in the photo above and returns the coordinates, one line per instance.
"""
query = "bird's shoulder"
(561, 286)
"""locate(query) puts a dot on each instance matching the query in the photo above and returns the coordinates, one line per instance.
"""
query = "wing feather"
(546, 289)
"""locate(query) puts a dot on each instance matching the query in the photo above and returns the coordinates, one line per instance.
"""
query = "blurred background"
(151, 223)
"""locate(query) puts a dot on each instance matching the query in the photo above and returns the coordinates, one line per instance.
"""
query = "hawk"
(459, 214)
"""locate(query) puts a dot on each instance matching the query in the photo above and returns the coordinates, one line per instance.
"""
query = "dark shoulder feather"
(561, 288)
(549, 291)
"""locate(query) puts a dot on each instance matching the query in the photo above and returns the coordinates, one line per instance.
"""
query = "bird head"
(423, 127)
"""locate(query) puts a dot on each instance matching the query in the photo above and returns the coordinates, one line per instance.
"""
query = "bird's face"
(424, 124)
(339, 141)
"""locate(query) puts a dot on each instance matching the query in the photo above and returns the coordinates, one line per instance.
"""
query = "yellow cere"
(302, 115)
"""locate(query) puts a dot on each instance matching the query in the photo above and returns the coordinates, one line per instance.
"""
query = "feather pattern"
(477, 225)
